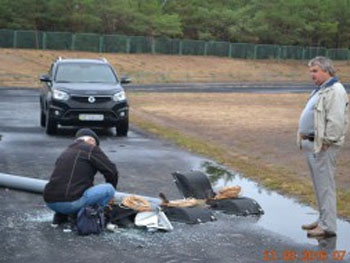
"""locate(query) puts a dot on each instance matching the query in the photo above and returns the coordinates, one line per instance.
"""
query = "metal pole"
(22, 183)
(37, 186)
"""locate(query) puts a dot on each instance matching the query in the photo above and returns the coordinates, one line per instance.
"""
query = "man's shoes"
(73, 222)
(59, 219)
(309, 226)
(319, 232)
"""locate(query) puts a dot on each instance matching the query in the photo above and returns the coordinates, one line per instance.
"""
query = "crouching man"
(71, 185)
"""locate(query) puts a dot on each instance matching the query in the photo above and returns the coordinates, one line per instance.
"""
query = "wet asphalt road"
(145, 166)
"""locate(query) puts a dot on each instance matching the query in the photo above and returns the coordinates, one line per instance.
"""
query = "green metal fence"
(162, 45)
(242, 50)
(116, 44)
(7, 38)
(291, 52)
(57, 40)
(266, 51)
(216, 48)
(27, 39)
(310, 52)
(339, 54)
(167, 46)
(192, 47)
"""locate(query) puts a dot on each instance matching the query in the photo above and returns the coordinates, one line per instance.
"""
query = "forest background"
(323, 23)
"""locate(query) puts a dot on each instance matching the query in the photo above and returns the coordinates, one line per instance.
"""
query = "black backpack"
(90, 220)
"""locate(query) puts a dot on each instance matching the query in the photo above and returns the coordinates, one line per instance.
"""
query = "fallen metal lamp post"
(194, 184)
(37, 186)
(22, 183)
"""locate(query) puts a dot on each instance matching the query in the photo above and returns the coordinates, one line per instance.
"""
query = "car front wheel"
(42, 119)
(122, 128)
(51, 125)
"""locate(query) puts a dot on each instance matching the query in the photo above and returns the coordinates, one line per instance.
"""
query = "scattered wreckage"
(197, 206)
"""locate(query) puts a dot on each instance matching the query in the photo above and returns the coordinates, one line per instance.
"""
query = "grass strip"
(269, 176)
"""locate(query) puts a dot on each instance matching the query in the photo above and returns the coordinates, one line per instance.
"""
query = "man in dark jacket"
(71, 184)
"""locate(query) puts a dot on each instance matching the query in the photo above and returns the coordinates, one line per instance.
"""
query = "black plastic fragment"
(196, 184)
(241, 206)
(189, 215)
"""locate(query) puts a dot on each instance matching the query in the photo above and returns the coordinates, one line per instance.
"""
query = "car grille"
(91, 99)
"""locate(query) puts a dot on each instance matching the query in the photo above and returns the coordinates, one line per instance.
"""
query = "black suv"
(83, 92)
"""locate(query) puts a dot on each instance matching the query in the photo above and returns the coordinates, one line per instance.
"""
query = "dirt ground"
(261, 126)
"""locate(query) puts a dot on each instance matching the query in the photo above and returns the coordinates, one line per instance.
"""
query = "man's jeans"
(99, 194)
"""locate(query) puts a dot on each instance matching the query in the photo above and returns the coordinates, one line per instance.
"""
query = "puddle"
(283, 215)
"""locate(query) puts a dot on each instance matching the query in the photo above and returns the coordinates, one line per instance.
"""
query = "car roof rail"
(103, 59)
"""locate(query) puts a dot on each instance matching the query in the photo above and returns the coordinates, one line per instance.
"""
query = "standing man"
(71, 184)
(322, 127)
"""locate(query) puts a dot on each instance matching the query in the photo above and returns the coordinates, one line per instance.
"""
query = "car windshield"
(85, 72)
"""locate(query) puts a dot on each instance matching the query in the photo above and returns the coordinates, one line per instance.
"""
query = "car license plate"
(91, 117)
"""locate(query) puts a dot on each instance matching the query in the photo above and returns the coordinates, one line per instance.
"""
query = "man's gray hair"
(324, 63)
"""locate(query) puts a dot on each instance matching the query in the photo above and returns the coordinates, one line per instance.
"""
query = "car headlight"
(119, 96)
(59, 95)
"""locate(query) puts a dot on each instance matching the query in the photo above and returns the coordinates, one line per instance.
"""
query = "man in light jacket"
(322, 128)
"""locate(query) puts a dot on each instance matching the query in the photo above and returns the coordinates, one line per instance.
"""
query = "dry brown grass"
(21, 67)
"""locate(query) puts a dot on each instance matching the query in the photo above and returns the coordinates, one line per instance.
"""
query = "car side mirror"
(125, 80)
(45, 78)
